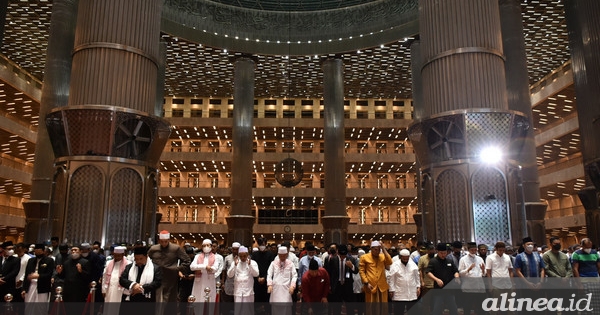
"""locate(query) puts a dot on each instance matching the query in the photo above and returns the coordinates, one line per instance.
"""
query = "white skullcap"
(164, 235)
(361, 251)
(282, 250)
(255, 249)
(404, 252)
(187, 244)
(235, 245)
(292, 249)
(119, 250)
(243, 249)
(375, 244)
(207, 241)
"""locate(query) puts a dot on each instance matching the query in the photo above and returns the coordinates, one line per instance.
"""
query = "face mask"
(587, 250)
(261, 247)
(311, 256)
(556, 246)
(11, 252)
(206, 250)
(332, 251)
(95, 251)
(471, 255)
(529, 248)
(85, 254)
(75, 256)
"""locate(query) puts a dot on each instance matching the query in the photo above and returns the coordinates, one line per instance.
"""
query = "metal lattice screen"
(451, 206)
(84, 210)
(490, 207)
(125, 210)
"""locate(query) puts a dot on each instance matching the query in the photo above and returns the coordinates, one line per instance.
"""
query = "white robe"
(36, 303)
(282, 279)
(205, 280)
(243, 280)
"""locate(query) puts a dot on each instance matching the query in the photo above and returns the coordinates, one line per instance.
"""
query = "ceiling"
(194, 69)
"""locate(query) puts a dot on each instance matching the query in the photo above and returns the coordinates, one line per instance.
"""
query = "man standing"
(499, 267)
(111, 289)
(557, 262)
(263, 259)
(97, 263)
(281, 282)
(405, 282)
(442, 271)
(75, 271)
(426, 282)
(21, 251)
(529, 265)
(586, 263)
(37, 282)
(171, 259)
(242, 273)
(304, 262)
(227, 295)
(315, 289)
(482, 250)
(140, 280)
(207, 269)
(472, 270)
(372, 273)
(9, 269)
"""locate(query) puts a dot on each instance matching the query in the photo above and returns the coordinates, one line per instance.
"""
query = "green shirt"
(557, 265)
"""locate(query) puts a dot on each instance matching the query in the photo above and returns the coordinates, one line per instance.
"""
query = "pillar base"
(335, 229)
(36, 221)
(239, 229)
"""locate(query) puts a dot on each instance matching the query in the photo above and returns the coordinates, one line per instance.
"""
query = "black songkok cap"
(442, 246)
(313, 265)
(471, 245)
(343, 250)
(527, 240)
(6, 244)
(39, 246)
(457, 244)
(140, 251)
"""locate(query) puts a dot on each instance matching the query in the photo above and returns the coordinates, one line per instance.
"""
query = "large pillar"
(106, 142)
(583, 26)
(335, 221)
(465, 113)
(240, 221)
(55, 93)
(528, 212)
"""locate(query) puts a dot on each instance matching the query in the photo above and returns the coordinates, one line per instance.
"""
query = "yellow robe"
(372, 271)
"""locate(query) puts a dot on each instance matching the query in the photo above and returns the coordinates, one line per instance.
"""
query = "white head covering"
(243, 249)
(404, 252)
(292, 249)
(164, 235)
(375, 244)
(255, 249)
(361, 252)
(235, 245)
(207, 241)
(119, 250)
(282, 250)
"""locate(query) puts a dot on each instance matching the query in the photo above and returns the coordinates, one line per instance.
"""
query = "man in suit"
(141, 279)
(342, 284)
(37, 282)
(9, 270)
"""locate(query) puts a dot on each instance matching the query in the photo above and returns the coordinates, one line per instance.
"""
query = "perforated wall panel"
(490, 209)
(125, 209)
(85, 204)
(451, 206)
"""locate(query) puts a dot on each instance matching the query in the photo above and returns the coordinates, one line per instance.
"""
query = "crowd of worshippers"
(260, 272)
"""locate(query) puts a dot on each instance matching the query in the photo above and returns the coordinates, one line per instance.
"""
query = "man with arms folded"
(242, 272)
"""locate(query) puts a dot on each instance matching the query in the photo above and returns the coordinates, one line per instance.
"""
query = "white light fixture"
(490, 155)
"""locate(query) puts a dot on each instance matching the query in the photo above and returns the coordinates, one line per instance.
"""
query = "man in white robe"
(243, 271)
(111, 289)
(37, 282)
(281, 282)
(207, 268)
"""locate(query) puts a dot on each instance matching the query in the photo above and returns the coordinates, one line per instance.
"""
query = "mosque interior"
(194, 195)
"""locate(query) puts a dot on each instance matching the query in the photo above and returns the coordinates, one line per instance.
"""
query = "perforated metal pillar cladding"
(106, 202)
(490, 206)
(452, 209)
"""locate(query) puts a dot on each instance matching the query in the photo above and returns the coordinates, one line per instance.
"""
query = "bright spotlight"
(490, 155)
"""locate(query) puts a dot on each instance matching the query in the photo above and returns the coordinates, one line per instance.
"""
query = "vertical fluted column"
(55, 93)
(416, 64)
(461, 48)
(517, 90)
(584, 43)
(106, 141)
(115, 59)
(335, 221)
(241, 220)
